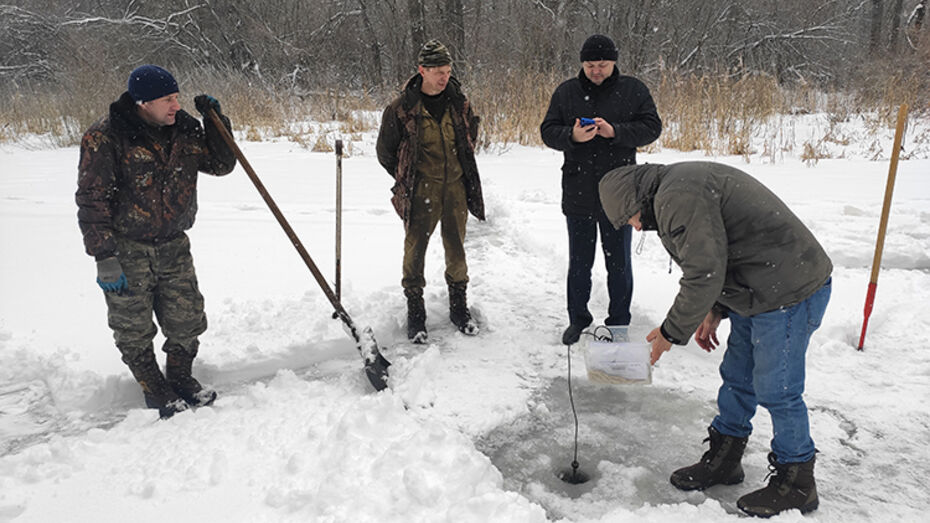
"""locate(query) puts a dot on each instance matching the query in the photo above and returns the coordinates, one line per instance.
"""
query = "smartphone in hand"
(587, 121)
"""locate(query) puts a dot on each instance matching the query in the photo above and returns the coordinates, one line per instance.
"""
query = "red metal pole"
(869, 301)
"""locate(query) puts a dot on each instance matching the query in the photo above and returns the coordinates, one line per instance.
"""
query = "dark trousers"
(582, 237)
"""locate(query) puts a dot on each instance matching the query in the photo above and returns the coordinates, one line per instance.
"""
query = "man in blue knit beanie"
(136, 197)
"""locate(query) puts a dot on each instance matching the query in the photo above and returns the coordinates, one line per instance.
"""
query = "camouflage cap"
(434, 54)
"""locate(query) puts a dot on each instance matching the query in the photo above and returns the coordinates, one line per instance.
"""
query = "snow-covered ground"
(473, 429)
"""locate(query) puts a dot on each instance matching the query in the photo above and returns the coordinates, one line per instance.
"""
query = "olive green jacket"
(400, 146)
(738, 245)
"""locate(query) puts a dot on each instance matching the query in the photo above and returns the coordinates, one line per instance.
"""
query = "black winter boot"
(719, 465)
(574, 330)
(791, 486)
(178, 375)
(158, 394)
(458, 309)
(416, 315)
(572, 334)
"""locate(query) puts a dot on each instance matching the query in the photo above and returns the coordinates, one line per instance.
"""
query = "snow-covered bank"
(298, 435)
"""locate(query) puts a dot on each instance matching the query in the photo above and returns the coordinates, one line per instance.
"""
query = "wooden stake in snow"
(339, 220)
(883, 225)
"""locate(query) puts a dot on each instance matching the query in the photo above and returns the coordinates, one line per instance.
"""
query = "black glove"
(205, 102)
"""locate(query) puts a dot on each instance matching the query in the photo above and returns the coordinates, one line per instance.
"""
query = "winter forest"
(748, 59)
(803, 95)
(365, 46)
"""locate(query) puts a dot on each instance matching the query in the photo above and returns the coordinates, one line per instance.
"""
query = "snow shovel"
(375, 364)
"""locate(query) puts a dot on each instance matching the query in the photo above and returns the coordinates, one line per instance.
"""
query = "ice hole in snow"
(630, 439)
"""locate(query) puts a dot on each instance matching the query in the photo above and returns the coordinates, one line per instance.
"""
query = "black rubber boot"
(791, 486)
(458, 309)
(721, 465)
(158, 394)
(572, 334)
(178, 375)
(416, 315)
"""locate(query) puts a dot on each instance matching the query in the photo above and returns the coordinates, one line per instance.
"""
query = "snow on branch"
(131, 18)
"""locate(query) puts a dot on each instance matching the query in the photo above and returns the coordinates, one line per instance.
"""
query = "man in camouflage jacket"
(136, 197)
(427, 144)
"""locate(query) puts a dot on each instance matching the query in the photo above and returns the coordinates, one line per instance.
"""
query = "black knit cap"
(597, 48)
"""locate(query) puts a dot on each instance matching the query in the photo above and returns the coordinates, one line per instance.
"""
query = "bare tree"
(897, 11)
(454, 26)
(876, 27)
(370, 44)
(417, 16)
(377, 74)
(23, 54)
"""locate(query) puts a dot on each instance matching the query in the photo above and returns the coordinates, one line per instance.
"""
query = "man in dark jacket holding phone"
(597, 119)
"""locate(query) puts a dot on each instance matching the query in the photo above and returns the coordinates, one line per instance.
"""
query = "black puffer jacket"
(623, 101)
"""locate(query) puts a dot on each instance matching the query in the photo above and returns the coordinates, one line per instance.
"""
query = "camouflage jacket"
(399, 144)
(140, 182)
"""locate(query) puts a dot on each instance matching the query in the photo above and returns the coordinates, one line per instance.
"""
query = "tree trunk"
(375, 71)
(417, 24)
(455, 25)
(875, 34)
(476, 38)
(895, 37)
(919, 13)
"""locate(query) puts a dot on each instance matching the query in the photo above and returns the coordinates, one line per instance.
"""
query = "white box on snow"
(618, 362)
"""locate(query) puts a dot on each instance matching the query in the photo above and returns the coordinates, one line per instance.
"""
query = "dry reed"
(713, 113)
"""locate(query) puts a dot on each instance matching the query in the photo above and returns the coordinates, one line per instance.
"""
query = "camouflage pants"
(436, 201)
(161, 281)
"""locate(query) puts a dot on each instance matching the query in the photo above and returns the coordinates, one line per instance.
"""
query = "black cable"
(571, 400)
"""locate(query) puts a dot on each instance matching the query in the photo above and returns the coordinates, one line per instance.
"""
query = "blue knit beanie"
(150, 82)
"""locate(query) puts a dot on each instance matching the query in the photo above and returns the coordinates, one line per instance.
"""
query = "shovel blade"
(376, 366)
(377, 372)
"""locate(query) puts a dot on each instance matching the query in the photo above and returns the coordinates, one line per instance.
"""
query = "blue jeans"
(582, 237)
(764, 365)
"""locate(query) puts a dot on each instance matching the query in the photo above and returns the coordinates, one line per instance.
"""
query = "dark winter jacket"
(623, 101)
(138, 181)
(738, 245)
(399, 144)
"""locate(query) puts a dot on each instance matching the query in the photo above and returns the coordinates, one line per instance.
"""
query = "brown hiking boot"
(721, 465)
(158, 394)
(791, 486)
(458, 309)
(178, 375)
(416, 315)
